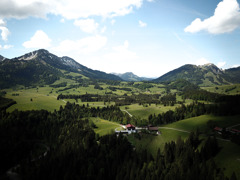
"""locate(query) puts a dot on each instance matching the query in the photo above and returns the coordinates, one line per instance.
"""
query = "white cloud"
(2, 23)
(6, 46)
(226, 19)
(69, 9)
(24, 8)
(5, 33)
(202, 61)
(87, 25)
(83, 46)
(235, 66)
(62, 20)
(221, 64)
(113, 21)
(142, 24)
(74, 9)
(121, 53)
(103, 30)
(39, 40)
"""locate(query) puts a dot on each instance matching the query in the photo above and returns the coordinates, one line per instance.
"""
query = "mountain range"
(203, 75)
(42, 67)
(129, 76)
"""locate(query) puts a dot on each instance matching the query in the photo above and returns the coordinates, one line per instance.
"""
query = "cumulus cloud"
(6, 46)
(113, 21)
(2, 23)
(221, 64)
(39, 40)
(226, 19)
(87, 25)
(22, 9)
(5, 33)
(69, 9)
(235, 66)
(83, 46)
(121, 53)
(142, 24)
(202, 61)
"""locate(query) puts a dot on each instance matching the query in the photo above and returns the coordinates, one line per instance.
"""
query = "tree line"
(77, 153)
(121, 100)
(226, 106)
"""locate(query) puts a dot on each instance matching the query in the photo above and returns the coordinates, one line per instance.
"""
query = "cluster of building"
(129, 129)
(220, 130)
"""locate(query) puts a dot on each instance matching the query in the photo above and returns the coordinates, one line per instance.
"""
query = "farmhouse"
(129, 130)
(218, 130)
(234, 131)
(130, 127)
(153, 129)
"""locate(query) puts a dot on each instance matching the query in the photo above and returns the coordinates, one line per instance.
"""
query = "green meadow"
(224, 89)
(228, 157)
(143, 111)
(105, 127)
(154, 142)
(200, 122)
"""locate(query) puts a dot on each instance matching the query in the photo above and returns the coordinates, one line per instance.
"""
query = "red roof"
(218, 129)
(129, 126)
(235, 130)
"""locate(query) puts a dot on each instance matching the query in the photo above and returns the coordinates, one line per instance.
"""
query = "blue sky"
(146, 37)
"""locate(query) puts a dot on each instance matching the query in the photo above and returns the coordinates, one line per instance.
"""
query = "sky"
(146, 37)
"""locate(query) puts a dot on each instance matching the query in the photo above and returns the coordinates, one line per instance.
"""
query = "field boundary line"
(174, 129)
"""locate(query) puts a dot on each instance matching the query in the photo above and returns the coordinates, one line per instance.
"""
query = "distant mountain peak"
(204, 75)
(130, 76)
(2, 58)
(41, 66)
(33, 55)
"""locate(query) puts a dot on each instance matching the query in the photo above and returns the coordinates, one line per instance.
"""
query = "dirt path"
(180, 130)
(233, 126)
(127, 113)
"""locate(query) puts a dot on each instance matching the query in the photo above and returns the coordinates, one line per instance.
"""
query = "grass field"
(200, 122)
(229, 158)
(31, 99)
(225, 89)
(154, 142)
(144, 112)
(104, 127)
(229, 155)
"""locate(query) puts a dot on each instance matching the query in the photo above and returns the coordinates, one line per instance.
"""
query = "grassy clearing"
(144, 112)
(225, 89)
(229, 158)
(229, 155)
(200, 122)
(31, 99)
(153, 142)
(104, 127)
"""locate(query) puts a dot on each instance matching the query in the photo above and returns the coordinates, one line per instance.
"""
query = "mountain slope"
(233, 75)
(42, 67)
(2, 58)
(129, 76)
(206, 75)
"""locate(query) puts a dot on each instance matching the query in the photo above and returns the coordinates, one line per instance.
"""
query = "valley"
(71, 108)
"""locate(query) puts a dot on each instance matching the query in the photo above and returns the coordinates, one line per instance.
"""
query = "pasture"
(104, 127)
